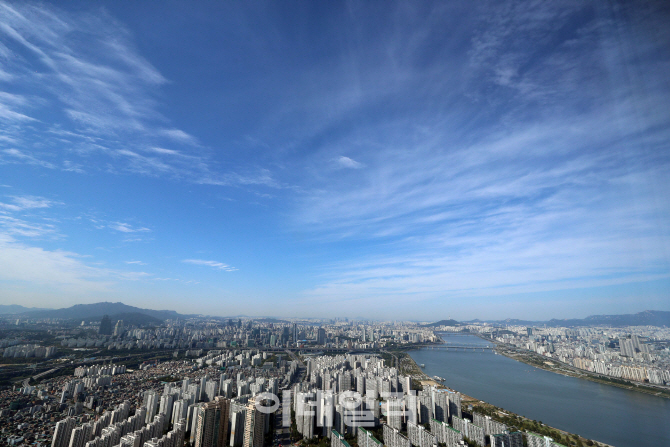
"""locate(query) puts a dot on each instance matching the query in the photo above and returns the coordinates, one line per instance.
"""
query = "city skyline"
(403, 160)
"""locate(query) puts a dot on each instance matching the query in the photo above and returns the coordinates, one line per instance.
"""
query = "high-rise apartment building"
(337, 440)
(62, 433)
(393, 437)
(212, 423)
(366, 439)
(514, 439)
(254, 427)
(81, 435)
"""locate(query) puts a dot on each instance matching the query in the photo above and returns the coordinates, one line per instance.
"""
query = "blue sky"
(374, 159)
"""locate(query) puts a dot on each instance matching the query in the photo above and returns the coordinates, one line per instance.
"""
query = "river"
(616, 416)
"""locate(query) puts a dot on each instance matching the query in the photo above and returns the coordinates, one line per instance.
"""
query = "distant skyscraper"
(321, 336)
(626, 347)
(105, 326)
(118, 329)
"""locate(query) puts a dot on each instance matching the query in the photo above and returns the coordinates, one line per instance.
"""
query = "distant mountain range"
(11, 309)
(442, 323)
(646, 318)
(94, 312)
(139, 316)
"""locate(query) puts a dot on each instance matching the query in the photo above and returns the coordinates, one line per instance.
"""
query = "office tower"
(254, 427)
(62, 433)
(105, 326)
(212, 428)
(321, 336)
(295, 333)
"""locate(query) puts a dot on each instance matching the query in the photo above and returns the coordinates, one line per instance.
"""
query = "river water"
(616, 416)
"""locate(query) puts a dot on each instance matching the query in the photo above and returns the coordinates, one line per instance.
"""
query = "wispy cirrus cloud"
(214, 264)
(16, 156)
(346, 162)
(37, 267)
(17, 217)
(98, 94)
(19, 203)
(520, 186)
(127, 228)
(179, 136)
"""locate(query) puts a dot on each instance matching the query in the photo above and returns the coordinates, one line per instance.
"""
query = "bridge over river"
(463, 347)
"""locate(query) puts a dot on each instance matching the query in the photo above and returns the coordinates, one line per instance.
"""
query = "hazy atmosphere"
(404, 160)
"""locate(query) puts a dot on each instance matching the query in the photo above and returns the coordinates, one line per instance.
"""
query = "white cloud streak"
(214, 264)
(127, 228)
(88, 62)
(347, 162)
(522, 186)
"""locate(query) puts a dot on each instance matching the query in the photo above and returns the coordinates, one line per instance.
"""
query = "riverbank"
(556, 366)
(407, 366)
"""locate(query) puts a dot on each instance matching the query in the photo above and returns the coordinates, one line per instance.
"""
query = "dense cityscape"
(213, 382)
(398, 223)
